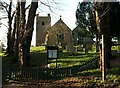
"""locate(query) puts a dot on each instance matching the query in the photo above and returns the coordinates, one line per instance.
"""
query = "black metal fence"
(37, 73)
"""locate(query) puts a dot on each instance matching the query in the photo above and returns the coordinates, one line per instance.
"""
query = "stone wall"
(43, 24)
(58, 34)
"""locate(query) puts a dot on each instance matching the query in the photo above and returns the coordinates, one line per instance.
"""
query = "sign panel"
(52, 52)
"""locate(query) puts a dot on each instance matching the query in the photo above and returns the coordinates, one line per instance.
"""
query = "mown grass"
(94, 77)
(39, 57)
(66, 60)
(2, 54)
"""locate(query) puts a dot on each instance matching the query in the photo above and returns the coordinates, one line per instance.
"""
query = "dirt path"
(69, 82)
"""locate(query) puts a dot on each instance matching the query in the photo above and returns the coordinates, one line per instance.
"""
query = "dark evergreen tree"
(85, 16)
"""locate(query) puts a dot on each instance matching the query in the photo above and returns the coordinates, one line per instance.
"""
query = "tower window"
(43, 23)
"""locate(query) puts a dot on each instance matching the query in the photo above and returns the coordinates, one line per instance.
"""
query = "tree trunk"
(17, 31)
(28, 33)
(97, 43)
(9, 49)
(13, 39)
(105, 31)
(108, 54)
(105, 25)
(98, 37)
(21, 32)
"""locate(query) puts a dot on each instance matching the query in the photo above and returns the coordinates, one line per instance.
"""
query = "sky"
(64, 8)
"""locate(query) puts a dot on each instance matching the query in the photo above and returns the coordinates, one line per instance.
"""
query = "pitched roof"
(61, 25)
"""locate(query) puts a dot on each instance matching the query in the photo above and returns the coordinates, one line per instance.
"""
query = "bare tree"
(10, 16)
(27, 37)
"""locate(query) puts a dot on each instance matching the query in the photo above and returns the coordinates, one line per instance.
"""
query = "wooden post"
(56, 63)
(103, 59)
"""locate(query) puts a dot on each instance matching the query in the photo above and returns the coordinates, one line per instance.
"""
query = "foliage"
(81, 32)
(85, 16)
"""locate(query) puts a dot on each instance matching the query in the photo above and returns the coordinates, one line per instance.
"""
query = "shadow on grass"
(45, 74)
(97, 72)
(79, 55)
(113, 71)
(67, 61)
(38, 59)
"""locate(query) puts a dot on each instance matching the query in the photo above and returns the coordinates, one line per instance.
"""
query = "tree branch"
(27, 7)
(5, 6)
(12, 15)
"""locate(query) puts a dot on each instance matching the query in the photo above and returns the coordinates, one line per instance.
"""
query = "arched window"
(43, 23)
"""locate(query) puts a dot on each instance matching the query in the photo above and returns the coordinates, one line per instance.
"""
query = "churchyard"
(80, 70)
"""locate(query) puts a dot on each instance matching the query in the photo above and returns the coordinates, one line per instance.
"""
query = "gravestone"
(71, 50)
(79, 48)
(88, 42)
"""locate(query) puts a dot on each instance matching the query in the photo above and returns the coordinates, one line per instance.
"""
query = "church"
(57, 34)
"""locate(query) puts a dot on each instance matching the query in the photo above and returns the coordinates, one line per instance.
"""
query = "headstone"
(71, 50)
(60, 49)
(88, 42)
(74, 50)
(86, 48)
(79, 48)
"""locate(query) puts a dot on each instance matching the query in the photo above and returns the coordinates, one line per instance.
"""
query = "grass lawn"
(87, 78)
(39, 57)
(65, 60)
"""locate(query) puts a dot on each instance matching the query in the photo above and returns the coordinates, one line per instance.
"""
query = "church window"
(43, 23)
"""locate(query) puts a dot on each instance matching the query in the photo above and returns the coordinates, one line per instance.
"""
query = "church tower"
(43, 24)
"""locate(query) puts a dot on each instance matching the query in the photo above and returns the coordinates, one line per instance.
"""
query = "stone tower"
(43, 24)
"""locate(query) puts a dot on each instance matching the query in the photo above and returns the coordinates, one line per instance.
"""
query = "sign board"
(52, 52)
